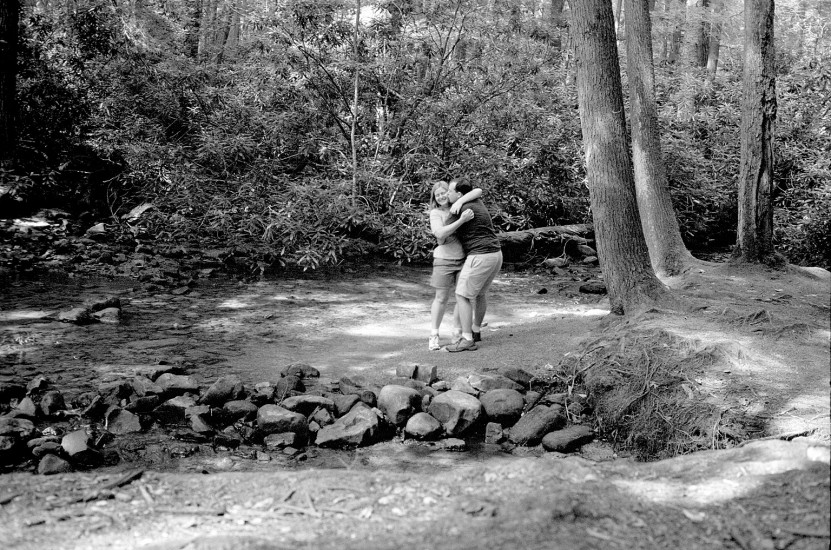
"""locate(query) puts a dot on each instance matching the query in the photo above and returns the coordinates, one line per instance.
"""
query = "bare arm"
(471, 195)
(441, 232)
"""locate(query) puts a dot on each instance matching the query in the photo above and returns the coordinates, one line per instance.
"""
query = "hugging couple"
(468, 257)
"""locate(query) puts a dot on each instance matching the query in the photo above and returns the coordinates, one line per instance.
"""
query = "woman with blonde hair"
(448, 256)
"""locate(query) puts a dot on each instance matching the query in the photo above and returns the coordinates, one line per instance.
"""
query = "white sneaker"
(433, 343)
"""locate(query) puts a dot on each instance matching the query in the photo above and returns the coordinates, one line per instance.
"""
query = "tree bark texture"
(195, 21)
(223, 32)
(716, 13)
(621, 246)
(674, 40)
(695, 35)
(556, 13)
(9, 18)
(755, 229)
(667, 251)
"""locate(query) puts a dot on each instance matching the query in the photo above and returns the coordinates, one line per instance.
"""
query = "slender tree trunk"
(207, 37)
(9, 19)
(232, 43)
(660, 226)
(755, 229)
(223, 32)
(356, 58)
(695, 40)
(801, 8)
(715, 38)
(621, 245)
(192, 29)
(674, 47)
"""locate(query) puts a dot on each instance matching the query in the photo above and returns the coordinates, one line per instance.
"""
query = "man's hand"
(455, 207)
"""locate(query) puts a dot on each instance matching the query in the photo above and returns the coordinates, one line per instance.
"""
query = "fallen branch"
(120, 482)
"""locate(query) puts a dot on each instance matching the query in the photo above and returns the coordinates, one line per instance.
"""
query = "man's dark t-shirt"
(477, 235)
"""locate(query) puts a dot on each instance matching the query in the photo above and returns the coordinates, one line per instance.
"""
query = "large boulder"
(399, 403)
(457, 411)
(301, 370)
(344, 403)
(536, 423)
(173, 410)
(177, 384)
(52, 402)
(286, 385)
(568, 439)
(518, 375)
(423, 426)
(273, 419)
(143, 386)
(51, 464)
(306, 404)
(463, 385)
(19, 428)
(360, 426)
(503, 405)
(120, 421)
(485, 383)
(75, 442)
(226, 388)
(240, 409)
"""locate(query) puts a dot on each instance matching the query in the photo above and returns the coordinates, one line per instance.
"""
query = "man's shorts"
(445, 272)
(478, 274)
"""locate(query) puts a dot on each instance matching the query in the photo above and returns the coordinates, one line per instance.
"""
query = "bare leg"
(479, 311)
(457, 326)
(465, 313)
(438, 307)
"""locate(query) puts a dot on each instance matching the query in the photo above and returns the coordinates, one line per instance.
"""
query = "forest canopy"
(307, 132)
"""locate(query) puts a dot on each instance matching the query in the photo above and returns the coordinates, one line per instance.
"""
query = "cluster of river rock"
(297, 410)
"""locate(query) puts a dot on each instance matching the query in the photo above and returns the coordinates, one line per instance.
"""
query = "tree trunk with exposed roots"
(754, 241)
(620, 243)
(667, 251)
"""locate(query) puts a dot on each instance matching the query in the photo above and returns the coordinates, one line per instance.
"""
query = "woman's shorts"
(445, 273)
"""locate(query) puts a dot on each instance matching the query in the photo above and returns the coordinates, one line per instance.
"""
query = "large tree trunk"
(755, 230)
(621, 246)
(660, 227)
(9, 18)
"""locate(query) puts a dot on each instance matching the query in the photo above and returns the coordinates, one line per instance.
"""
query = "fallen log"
(545, 241)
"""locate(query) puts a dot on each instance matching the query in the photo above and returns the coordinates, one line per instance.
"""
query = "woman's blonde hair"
(433, 202)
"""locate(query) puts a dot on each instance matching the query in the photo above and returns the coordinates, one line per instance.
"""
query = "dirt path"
(768, 333)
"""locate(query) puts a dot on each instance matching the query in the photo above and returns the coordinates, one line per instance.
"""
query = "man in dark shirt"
(483, 261)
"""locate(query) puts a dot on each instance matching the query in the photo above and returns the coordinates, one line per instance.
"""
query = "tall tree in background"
(9, 18)
(192, 28)
(713, 49)
(660, 227)
(754, 241)
(621, 245)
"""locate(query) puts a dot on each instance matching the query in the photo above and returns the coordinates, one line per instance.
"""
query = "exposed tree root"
(643, 387)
